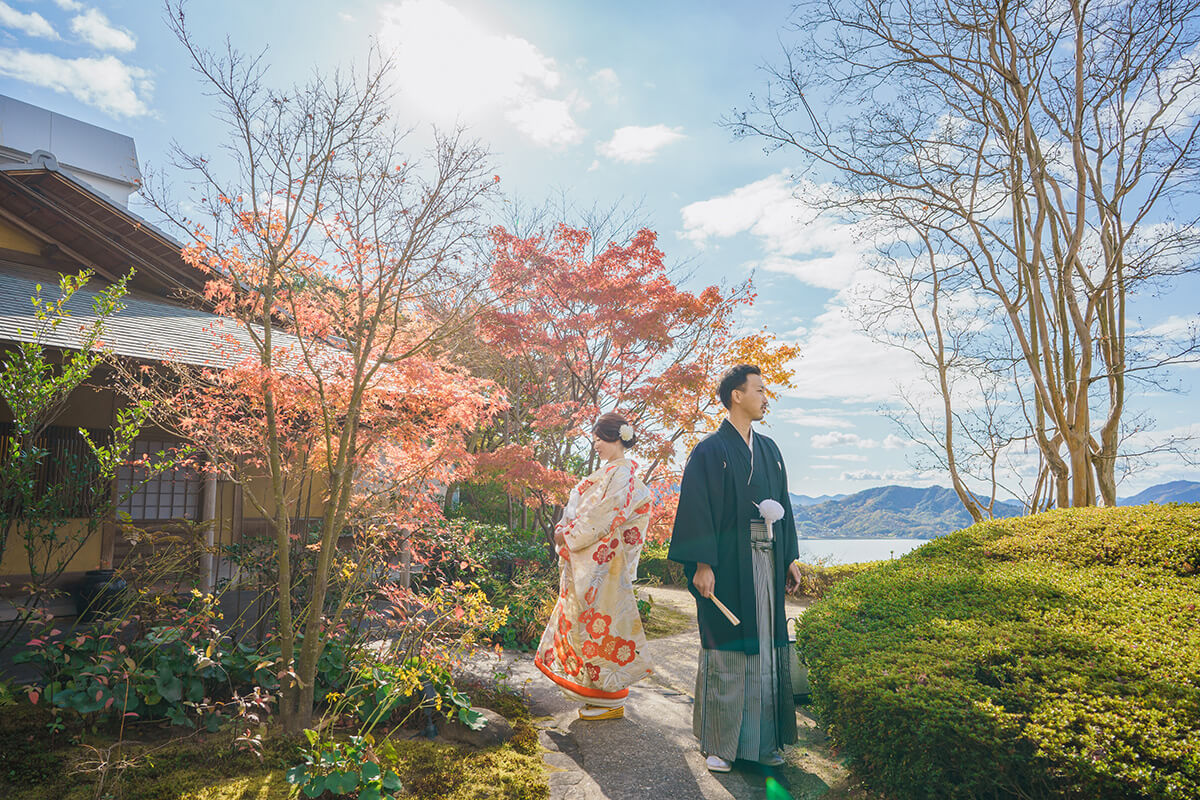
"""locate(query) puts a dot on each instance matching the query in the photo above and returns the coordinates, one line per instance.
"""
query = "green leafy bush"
(1050, 656)
(168, 672)
(528, 597)
(379, 691)
(817, 579)
(183, 670)
(515, 569)
(347, 768)
(656, 569)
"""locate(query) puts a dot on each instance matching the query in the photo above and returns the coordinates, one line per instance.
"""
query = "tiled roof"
(147, 329)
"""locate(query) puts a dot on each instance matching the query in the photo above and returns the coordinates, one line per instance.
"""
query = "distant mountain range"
(1173, 492)
(805, 500)
(906, 512)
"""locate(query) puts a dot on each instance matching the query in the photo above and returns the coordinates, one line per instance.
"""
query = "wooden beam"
(38, 233)
(108, 238)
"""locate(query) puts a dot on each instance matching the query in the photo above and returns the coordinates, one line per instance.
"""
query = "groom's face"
(752, 398)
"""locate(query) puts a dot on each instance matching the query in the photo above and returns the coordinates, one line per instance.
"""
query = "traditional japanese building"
(65, 188)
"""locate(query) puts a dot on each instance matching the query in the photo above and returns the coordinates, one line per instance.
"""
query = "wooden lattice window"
(68, 468)
(171, 494)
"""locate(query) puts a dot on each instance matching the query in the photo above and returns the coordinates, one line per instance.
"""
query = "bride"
(594, 647)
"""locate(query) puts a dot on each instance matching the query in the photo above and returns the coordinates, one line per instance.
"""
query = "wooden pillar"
(108, 534)
(208, 517)
(108, 529)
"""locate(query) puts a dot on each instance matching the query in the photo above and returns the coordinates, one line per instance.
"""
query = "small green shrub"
(645, 606)
(656, 569)
(344, 768)
(515, 569)
(167, 673)
(380, 691)
(1053, 656)
(529, 597)
(184, 671)
(817, 579)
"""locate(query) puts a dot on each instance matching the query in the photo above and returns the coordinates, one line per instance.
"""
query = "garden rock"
(496, 732)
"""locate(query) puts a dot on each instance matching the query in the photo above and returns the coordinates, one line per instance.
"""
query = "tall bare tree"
(1037, 157)
(344, 264)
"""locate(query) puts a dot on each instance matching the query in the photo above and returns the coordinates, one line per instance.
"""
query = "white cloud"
(69, 5)
(545, 122)
(854, 457)
(908, 477)
(95, 29)
(30, 23)
(106, 83)
(451, 68)
(607, 84)
(797, 239)
(823, 441)
(808, 419)
(1180, 462)
(894, 442)
(1174, 327)
(638, 145)
(839, 361)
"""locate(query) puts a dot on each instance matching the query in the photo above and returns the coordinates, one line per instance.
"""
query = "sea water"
(851, 551)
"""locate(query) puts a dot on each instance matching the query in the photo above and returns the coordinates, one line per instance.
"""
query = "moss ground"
(162, 765)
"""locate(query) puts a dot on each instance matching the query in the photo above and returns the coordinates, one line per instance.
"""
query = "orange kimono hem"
(585, 691)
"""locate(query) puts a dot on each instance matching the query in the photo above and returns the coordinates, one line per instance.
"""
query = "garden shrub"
(383, 692)
(347, 767)
(656, 569)
(817, 579)
(1052, 656)
(515, 569)
(529, 597)
(183, 669)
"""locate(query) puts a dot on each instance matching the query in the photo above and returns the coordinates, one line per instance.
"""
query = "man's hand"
(559, 539)
(793, 577)
(704, 580)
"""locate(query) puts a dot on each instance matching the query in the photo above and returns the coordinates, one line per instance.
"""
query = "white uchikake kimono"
(594, 647)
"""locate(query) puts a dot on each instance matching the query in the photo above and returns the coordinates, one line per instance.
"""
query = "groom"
(744, 706)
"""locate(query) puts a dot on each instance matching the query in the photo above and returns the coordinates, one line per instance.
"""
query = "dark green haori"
(717, 500)
(743, 704)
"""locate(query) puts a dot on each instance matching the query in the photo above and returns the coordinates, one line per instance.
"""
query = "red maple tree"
(583, 330)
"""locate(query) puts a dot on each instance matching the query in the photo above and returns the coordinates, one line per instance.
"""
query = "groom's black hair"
(735, 378)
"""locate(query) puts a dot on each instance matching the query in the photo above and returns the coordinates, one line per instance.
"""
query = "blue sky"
(600, 101)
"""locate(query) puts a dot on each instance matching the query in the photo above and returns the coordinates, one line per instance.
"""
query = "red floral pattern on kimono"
(594, 645)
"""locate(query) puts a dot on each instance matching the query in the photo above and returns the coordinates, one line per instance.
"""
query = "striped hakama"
(744, 707)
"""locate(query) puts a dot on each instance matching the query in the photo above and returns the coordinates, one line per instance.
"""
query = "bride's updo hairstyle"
(612, 427)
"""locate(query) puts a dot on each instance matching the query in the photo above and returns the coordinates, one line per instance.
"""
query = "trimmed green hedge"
(1052, 656)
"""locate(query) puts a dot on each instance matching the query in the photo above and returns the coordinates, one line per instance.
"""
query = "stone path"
(651, 753)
